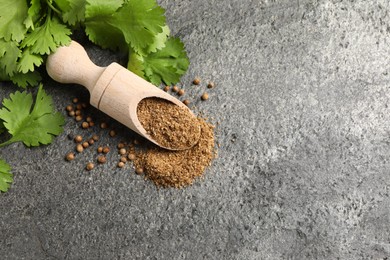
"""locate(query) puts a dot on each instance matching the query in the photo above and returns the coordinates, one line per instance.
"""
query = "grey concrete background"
(303, 171)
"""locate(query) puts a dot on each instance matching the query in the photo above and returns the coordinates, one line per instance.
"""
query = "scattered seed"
(84, 105)
(101, 159)
(70, 156)
(78, 138)
(205, 96)
(186, 102)
(166, 88)
(79, 148)
(79, 107)
(131, 156)
(71, 113)
(112, 133)
(90, 166)
(211, 85)
(196, 81)
(180, 92)
(121, 145)
(69, 108)
(88, 119)
(175, 89)
(91, 141)
(75, 100)
(121, 164)
(106, 149)
(85, 145)
(139, 170)
(100, 149)
(79, 118)
(95, 137)
(78, 112)
(85, 125)
(91, 124)
(122, 151)
(136, 142)
(123, 159)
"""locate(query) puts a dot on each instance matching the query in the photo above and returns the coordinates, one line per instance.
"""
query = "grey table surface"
(301, 97)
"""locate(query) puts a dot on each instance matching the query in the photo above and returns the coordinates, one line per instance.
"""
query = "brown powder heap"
(178, 168)
(169, 125)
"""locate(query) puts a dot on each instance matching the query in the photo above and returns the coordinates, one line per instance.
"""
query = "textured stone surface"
(302, 94)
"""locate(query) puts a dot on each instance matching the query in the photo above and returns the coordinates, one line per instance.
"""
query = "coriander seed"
(123, 159)
(78, 112)
(131, 156)
(69, 108)
(121, 145)
(79, 118)
(186, 102)
(122, 151)
(112, 133)
(106, 149)
(70, 156)
(79, 148)
(95, 137)
(85, 145)
(211, 85)
(166, 88)
(91, 141)
(78, 139)
(196, 81)
(88, 119)
(71, 113)
(85, 125)
(103, 125)
(90, 166)
(100, 149)
(101, 159)
(91, 124)
(139, 170)
(84, 105)
(205, 96)
(75, 100)
(79, 107)
(121, 164)
(180, 92)
(175, 89)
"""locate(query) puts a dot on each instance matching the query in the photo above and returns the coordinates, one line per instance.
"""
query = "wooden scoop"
(114, 90)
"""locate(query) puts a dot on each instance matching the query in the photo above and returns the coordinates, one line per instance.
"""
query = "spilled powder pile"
(178, 168)
(169, 125)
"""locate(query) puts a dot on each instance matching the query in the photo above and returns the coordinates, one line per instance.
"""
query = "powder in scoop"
(178, 168)
(168, 124)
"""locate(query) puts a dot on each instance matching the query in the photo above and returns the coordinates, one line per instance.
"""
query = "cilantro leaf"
(45, 39)
(159, 41)
(72, 10)
(23, 80)
(31, 124)
(139, 21)
(97, 27)
(32, 14)
(12, 15)
(6, 177)
(9, 54)
(135, 64)
(28, 60)
(165, 65)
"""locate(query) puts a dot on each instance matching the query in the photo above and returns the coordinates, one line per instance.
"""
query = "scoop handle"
(71, 64)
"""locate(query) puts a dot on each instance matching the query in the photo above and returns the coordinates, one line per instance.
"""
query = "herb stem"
(52, 7)
(10, 141)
